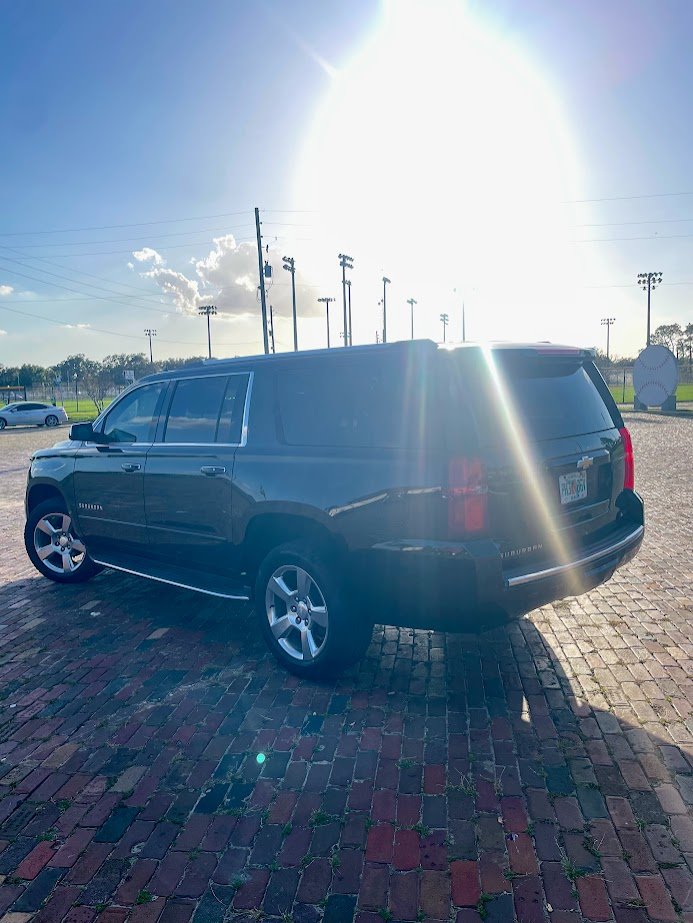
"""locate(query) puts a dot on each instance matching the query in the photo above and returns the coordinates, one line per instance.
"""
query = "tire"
(3, 423)
(319, 648)
(46, 527)
(51, 420)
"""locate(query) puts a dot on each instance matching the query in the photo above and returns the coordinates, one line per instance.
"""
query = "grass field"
(683, 393)
(87, 409)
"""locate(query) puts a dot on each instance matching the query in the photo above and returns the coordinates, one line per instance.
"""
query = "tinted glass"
(550, 398)
(195, 410)
(377, 403)
(133, 419)
(34, 406)
(230, 426)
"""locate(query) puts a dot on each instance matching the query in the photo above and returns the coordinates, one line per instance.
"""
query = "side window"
(195, 409)
(230, 428)
(351, 403)
(133, 419)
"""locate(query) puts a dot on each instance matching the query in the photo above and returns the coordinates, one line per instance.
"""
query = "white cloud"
(131, 265)
(3, 333)
(77, 326)
(227, 277)
(6, 289)
(148, 255)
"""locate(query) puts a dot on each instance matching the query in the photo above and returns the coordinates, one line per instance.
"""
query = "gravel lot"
(542, 772)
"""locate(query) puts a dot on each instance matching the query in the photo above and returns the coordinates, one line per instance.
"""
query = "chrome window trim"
(580, 562)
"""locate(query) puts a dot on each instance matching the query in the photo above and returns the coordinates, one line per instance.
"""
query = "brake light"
(628, 460)
(467, 497)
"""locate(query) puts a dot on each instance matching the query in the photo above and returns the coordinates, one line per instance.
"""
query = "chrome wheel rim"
(51, 420)
(56, 545)
(296, 612)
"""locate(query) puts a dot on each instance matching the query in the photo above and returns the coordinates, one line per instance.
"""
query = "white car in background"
(27, 413)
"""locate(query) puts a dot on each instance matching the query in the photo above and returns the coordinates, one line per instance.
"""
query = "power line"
(625, 198)
(115, 240)
(113, 227)
(130, 336)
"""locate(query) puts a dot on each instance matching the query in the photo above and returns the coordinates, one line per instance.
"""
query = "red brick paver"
(541, 773)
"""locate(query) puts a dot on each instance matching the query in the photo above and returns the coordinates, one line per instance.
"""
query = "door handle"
(130, 466)
(210, 470)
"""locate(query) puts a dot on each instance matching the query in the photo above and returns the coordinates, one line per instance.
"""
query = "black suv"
(404, 483)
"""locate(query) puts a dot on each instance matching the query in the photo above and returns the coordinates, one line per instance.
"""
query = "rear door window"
(195, 409)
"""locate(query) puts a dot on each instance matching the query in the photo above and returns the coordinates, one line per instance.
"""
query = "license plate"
(573, 486)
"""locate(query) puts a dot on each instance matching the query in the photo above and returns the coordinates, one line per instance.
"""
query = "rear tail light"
(628, 460)
(467, 497)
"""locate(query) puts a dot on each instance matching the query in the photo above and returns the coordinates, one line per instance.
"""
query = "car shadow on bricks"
(156, 760)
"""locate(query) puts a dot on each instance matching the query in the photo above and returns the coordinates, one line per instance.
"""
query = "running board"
(185, 578)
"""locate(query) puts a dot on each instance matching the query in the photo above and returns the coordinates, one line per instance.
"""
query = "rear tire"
(51, 420)
(310, 624)
(53, 546)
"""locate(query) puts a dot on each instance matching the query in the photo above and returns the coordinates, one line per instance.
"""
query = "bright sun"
(440, 157)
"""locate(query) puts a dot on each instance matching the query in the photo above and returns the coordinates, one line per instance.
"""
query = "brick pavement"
(538, 773)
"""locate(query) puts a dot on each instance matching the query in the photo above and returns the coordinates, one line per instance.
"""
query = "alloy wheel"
(56, 544)
(297, 612)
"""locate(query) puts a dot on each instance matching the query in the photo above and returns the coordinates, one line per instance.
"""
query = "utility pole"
(386, 282)
(411, 302)
(261, 269)
(150, 332)
(346, 262)
(205, 311)
(446, 320)
(607, 322)
(290, 266)
(272, 328)
(326, 302)
(351, 337)
(647, 282)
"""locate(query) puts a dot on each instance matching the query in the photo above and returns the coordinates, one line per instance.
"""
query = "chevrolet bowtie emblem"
(585, 462)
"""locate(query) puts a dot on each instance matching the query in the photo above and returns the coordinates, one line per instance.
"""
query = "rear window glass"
(352, 403)
(550, 398)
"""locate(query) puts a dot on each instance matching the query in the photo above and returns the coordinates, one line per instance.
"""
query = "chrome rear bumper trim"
(581, 562)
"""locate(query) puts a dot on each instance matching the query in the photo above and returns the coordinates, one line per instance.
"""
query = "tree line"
(99, 380)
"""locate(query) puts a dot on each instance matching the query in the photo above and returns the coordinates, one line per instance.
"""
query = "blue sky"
(436, 142)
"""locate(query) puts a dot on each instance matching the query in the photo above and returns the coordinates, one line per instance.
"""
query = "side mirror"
(82, 432)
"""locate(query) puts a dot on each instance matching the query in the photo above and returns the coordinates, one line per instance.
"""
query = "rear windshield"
(550, 397)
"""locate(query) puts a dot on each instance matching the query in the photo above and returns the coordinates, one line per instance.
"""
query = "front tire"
(3, 423)
(310, 624)
(53, 546)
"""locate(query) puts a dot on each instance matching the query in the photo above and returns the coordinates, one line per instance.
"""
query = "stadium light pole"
(346, 262)
(150, 332)
(411, 302)
(290, 266)
(648, 281)
(206, 310)
(326, 302)
(607, 322)
(446, 320)
(386, 282)
(351, 338)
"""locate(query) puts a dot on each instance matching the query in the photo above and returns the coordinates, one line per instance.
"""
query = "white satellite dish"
(655, 376)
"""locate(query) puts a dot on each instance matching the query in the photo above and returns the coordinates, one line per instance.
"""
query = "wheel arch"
(39, 492)
(269, 530)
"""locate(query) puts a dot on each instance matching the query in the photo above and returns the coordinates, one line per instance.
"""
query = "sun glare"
(441, 157)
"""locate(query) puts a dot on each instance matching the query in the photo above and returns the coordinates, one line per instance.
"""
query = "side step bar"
(185, 578)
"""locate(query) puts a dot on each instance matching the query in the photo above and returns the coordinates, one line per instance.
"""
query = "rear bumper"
(464, 586)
